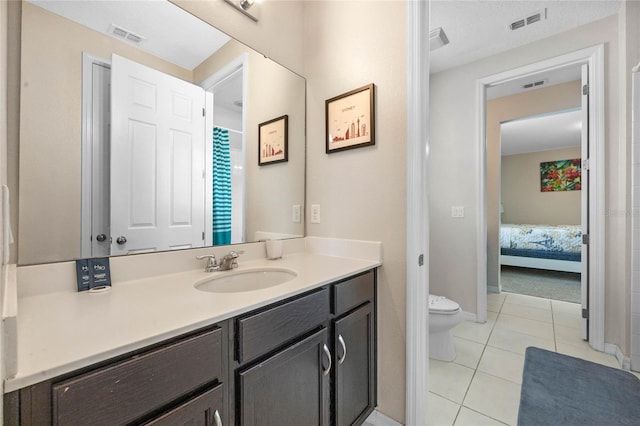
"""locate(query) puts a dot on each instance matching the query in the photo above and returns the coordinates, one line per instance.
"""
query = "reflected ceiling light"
(243, 7)
(437, 38)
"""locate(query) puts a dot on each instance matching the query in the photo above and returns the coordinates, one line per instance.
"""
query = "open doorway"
(540, 221)
(589, 63)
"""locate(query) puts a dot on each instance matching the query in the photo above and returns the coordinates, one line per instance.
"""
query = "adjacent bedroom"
(540, 206)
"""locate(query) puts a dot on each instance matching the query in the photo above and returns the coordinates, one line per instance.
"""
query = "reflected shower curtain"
(221, 187)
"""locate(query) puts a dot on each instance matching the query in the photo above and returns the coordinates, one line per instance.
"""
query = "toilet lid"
(442, 304)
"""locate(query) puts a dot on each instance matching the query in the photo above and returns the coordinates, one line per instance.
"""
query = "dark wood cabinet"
(354, 366)
(288, 388)
(306, 360)
(202, 410)
(175, 383)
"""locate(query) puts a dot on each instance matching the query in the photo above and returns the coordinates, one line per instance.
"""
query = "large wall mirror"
(139, 133)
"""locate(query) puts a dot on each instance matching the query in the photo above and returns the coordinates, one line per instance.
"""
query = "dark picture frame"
(350, 120)
(273, 141)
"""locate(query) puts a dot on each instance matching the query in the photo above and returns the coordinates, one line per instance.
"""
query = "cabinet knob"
(101, 237)
(121, 240)
(344, 349)
(328, 354)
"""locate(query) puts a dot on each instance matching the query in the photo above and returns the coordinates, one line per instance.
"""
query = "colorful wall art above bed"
(563, 175)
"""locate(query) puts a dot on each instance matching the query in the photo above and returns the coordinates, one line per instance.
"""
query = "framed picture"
(563, 175)
(273, 141)
(350, 120)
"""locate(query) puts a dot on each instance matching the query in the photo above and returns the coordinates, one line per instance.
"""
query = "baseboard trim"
(613, 349)
(493, 289)
(378, 419)
(469, 316)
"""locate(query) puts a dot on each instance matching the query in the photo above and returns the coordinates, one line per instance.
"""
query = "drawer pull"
(217, 419)
(328, 354)
(344, 349)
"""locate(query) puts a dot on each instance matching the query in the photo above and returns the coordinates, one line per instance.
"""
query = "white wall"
(3, 165)
(362, 192)
(277, 34)
(455, 167)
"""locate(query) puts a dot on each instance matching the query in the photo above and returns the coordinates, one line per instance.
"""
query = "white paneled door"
(157, 160)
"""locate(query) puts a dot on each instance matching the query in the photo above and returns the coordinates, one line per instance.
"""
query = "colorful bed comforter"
(562, 242)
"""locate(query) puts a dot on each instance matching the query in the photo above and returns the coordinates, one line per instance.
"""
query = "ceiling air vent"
(528, 20)
(123, 34)
(535, 84)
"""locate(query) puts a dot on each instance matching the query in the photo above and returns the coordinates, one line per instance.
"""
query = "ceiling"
(541, 133)
(168, 32)
(477, 29)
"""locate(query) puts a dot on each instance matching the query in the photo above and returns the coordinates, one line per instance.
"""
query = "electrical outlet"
(315, 213)
(457, 211)
(295, 215)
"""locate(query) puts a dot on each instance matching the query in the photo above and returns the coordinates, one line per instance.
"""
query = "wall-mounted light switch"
(295, 215)
(457, 211)
(315, 213)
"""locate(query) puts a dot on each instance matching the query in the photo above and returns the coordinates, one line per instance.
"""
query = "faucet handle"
(234, 255)
(212, 262)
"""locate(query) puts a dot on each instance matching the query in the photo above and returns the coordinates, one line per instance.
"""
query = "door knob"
(121, 240)
(101, 237)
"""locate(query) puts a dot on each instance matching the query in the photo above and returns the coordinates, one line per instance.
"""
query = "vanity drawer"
(131, 389)
(353, 292)
(264, 331)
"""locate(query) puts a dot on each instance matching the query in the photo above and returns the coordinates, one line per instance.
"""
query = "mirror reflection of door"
(158, 166)
(157, 160)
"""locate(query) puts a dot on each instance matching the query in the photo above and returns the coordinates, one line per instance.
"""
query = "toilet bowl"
(444, 314)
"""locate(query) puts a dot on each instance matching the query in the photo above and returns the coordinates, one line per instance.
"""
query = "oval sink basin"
(247, 280)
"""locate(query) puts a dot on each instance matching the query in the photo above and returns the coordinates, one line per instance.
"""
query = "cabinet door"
(202, 410)
(290, 387)
(354, 370)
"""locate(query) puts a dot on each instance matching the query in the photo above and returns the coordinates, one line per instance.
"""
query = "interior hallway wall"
(362, 192)
(454, 168)
(520, 193)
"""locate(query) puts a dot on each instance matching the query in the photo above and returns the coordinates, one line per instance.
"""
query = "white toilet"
(444, 314)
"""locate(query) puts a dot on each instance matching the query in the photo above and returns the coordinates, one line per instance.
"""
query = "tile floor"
(482, 385)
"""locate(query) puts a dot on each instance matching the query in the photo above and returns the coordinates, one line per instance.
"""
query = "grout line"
(553, 324)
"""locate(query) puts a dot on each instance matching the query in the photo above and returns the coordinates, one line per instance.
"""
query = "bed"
(552, 247)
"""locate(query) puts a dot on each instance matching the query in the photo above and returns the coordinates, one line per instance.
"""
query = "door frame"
(594, 57)
(88, 61)
(417, 244)
(240, 63)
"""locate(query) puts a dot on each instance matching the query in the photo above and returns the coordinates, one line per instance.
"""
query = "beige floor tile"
(585, 351)
(476, 331)
(441, 411)
(518, 342)
(504, 364)
(468, 352)
(467, 417)
(449, 380)
(522, 299)
(523, 325)
(566, 307)
(494, 397)
(569, 335)
(528, 312)
(495, 301)
(567, 319)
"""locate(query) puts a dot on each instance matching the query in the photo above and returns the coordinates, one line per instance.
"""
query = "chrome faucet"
(212, 263)
(230, 261)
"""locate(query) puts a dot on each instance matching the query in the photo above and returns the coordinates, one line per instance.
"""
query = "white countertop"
(59, 332)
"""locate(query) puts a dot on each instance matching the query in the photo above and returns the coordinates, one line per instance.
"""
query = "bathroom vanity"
(304, 356)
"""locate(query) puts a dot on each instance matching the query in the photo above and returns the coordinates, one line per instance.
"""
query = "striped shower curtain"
(221, 187)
